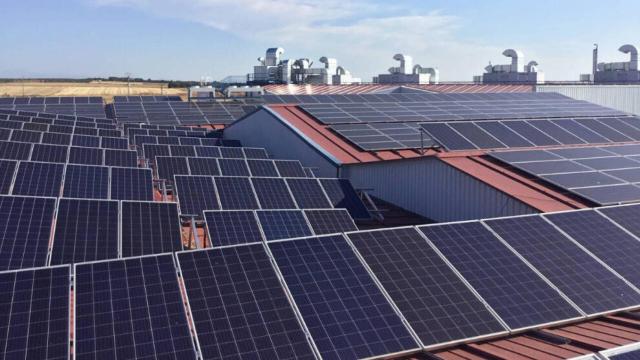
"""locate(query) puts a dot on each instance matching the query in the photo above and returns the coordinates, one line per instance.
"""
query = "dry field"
(106, 89)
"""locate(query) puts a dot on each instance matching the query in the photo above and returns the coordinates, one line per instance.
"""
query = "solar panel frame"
(401, 256)
(208, 274)
(130, 331)
(38, 179)
(149, 227)
(232, 227)
(41, 301)
(191, 202)
(86, 182)
(510, 276)
(131, 184)
(337, 269)
(83, 225)
(283, 224)
(572, 270)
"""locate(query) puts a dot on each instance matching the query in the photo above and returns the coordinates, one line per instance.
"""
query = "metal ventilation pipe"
(517, 59)
(406, 63)
(633, 51)
(595, 62)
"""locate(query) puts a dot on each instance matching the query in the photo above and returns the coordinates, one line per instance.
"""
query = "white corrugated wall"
(431, 188)
(620, 97)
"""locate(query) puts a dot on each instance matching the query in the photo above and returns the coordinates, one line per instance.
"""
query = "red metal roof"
(533, 194)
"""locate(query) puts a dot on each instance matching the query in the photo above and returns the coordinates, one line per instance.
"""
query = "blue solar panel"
(516, 293)
(49, 153)
(208, 151)
(131, 184)
(346, 313)
(7, 171)
(86, 230)
(85, 141)
(203, 166)
(447, 137)
(283, 224)
(435, 301)
(15, 150)
(255, 153)
(86, 182)
(308, 193)
(196, 194)
(114, 143)
(131, 309)
(239, 307)
(167, 167)
(23, 218)
(232, 227)
(262, 168)
(35, 314)
(290, 168)
(86, 156)
(343, 195)
(56, 138)
(123, 158)
(153, 150)
(150, 228)
(330, 221)
(233, 167)
(273, 193)
(235, 193)
(585, 281)
(231, 152)
(25, 136)
(182, 150)
(38, 179)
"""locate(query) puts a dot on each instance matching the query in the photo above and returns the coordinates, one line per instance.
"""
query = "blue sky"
(177, 39)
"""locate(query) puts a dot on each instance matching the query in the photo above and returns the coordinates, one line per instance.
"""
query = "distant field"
(106, 89)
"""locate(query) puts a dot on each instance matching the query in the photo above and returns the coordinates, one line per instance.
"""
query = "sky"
(191, 39)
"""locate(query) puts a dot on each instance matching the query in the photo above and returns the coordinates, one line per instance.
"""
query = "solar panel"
(7, 171)
(585, 281)
(603, 238)
(342, 195)
(5, 134)
(14, 150)
(122, 158)
(80, 130)
(169, 140)
(203, 166)
(85, 141)
(308, 193)
(150, 228)
(195, 194)
(255, 153)
(131, 184)
(513, 290)
(131, 308)
(330, 221)
(38, 179)
(239, 306)
(153, 150)
(352, 318)
(86, 182)
(262, 168)
(235, 193)
(290, 168)
(447, 137)
(86, 230)
(25, 136)
(435, 301)
(49, 153)
(86, 156)
(231, 152)
(35, 314)
(208, 151)
(167, 167)
(25, 218)
(232, 227)
(233, 167)
(118, 143)
(273, 193)
(182, 150)
(283, 224)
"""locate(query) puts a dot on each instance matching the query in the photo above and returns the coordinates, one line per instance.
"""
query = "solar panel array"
(178, 112)
(531, 133)
(604, 175)
(77, 105)
(199, 193)
(146, 98)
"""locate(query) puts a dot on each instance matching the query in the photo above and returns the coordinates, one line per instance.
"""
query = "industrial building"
(316, 217)
(517, 72)
(625, 72)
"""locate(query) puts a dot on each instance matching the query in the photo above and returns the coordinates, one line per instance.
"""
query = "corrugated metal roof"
(473, 88)
(533, 194)
(375, 88)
